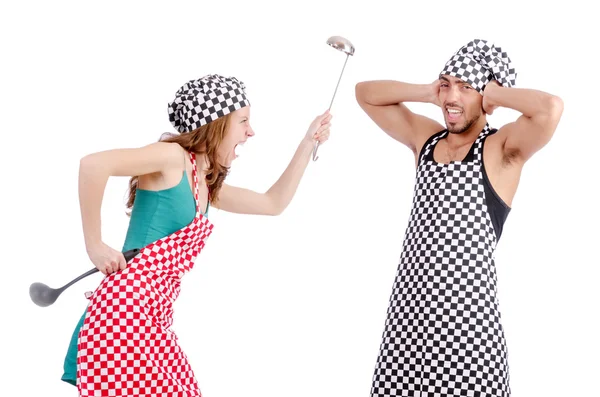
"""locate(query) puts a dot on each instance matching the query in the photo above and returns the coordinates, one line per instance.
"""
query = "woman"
(123, 345)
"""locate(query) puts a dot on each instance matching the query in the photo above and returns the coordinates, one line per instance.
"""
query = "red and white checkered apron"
(126, 346)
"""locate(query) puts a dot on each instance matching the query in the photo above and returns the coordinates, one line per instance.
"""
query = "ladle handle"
(129, 255)
(84, 275)
(314, 155)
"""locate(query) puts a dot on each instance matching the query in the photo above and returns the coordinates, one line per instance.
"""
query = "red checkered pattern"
(126, 346)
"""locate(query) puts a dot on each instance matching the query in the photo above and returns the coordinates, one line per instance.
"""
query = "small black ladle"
(43, 296)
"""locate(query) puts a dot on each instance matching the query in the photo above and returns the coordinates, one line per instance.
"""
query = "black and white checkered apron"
(443, 334)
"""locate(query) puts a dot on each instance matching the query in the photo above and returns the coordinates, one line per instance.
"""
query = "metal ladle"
(344, 45)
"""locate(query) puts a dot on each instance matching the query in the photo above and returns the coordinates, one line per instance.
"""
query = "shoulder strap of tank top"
(427, 149)
(478, 146)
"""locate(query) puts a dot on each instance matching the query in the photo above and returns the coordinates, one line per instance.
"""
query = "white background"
(291, 305)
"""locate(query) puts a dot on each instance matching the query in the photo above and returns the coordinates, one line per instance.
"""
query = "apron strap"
(197, 186)
(478, 144)
(195, 178)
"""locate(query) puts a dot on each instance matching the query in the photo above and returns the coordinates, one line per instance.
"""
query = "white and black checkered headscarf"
(480, 62)
(198, 102)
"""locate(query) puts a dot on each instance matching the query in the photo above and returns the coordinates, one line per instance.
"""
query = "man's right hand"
(435, 92)
(384, 102)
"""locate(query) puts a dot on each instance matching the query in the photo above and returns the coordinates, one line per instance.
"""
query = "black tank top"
(497, 208)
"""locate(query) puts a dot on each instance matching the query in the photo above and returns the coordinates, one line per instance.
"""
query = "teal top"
(155, 214)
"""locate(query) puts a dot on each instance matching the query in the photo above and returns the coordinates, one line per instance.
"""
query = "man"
(443, 335)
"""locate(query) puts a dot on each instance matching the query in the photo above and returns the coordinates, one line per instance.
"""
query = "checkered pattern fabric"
(198, 102)
(478, 63)
(443, 334)
(126, 346)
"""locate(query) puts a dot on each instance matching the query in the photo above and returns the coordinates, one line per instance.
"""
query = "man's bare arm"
(383, 101)
(541, 113)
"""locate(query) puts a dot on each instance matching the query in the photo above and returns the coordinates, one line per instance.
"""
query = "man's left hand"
(488, 105)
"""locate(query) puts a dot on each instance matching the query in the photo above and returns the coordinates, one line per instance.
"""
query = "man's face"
(461, 104)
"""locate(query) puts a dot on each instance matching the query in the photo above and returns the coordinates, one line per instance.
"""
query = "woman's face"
(238, 132)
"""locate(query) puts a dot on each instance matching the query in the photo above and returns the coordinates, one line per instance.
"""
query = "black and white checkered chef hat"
(198, 102)
(480, 62)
